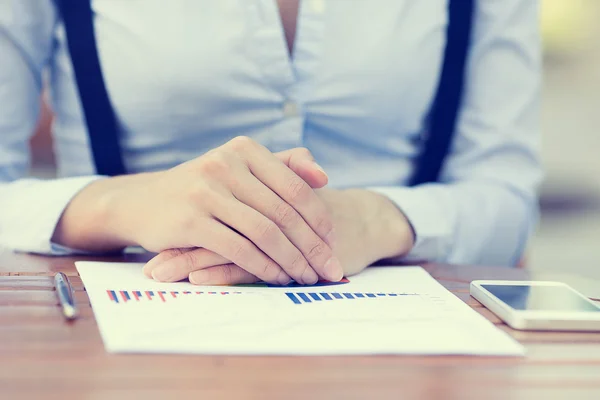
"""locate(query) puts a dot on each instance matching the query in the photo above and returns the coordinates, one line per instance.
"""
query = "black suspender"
(99, 115)
(102, 123)
(446, 105)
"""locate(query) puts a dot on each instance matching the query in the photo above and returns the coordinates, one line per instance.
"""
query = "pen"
(65, 295)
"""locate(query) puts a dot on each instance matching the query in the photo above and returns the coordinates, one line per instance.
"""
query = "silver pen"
(65, 296)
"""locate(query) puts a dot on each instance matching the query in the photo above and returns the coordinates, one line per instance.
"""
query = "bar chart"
(311, 297)
(124, 296)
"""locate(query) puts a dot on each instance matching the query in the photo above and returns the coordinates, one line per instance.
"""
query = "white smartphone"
(535, 305)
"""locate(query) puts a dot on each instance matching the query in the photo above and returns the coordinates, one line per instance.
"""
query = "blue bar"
(304, 297)
(348, 296)
(337, 295)
(315, 296)
(293, 298)
(359, 295)
(151, 293)
(138, 293)
(392, 294)
(370, 295)
(380, 294)
(116, 299)
(326, 296)
(127, 294)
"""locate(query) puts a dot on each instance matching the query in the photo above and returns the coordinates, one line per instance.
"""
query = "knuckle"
(200, 198)
(303, 151)
(171, 253)
(299, 263)
(198, 192)
(214, 164)
(269, 270)
(323, 225)
(189, 259)
(316, 250)
(297, 190)
(266, 231)
(226, 274)
(187, 223)
(240, 250)
(285, 216)
(241, 143)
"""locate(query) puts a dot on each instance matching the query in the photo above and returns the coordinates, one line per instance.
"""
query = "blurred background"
(568, 237)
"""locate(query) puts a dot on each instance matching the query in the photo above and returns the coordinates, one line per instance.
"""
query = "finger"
(301, 161)
(265, 234)
(288, 186)
(228, 274)
(177, 268)
(161, 258)
(319, 255)
(242, 252)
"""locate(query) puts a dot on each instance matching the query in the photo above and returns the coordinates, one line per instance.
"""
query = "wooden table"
(43, 357)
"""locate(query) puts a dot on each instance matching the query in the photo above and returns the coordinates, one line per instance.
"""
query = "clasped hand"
(238, 213)
(280, 208)
(243, 204)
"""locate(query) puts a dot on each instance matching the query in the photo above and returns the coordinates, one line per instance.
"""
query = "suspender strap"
(448, 98)
(102, 123)
(100, 118)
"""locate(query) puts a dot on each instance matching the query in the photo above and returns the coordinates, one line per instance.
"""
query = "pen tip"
(70, 312)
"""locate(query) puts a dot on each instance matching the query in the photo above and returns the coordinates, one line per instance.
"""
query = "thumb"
(301, 161)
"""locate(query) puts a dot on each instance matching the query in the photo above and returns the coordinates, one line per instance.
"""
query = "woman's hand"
(238, 201)
(369, 228)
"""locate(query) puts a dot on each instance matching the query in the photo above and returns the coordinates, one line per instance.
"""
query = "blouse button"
(290, 109)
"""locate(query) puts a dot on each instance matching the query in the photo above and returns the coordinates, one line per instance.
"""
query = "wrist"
(390, 232)
(96, 218)
(120, 203)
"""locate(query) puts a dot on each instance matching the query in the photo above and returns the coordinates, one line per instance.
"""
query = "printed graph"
(123, 296)
(305, 298)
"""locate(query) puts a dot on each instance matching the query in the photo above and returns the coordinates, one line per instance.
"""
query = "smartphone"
(536, 305)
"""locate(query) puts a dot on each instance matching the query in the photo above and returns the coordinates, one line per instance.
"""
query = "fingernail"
(309, 277)
(199, 277)
(283, 278)
(333, 270)
(317, 166)
(163, 273)
(330, 238)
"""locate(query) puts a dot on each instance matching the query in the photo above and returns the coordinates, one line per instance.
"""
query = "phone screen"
(540, 298)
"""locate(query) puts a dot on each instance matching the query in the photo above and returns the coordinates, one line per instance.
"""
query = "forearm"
(98, 218)
(467, 223)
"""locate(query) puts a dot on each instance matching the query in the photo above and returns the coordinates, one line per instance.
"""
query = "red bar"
(199, 292)
(148, 295)
(123, 296)
(135, 295)
(224, 292)
(161, 296)
(110, 296)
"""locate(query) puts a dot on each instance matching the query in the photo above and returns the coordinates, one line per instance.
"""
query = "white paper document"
(384, 310)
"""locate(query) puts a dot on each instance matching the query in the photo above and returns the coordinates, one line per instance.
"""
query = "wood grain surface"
(43, 357)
